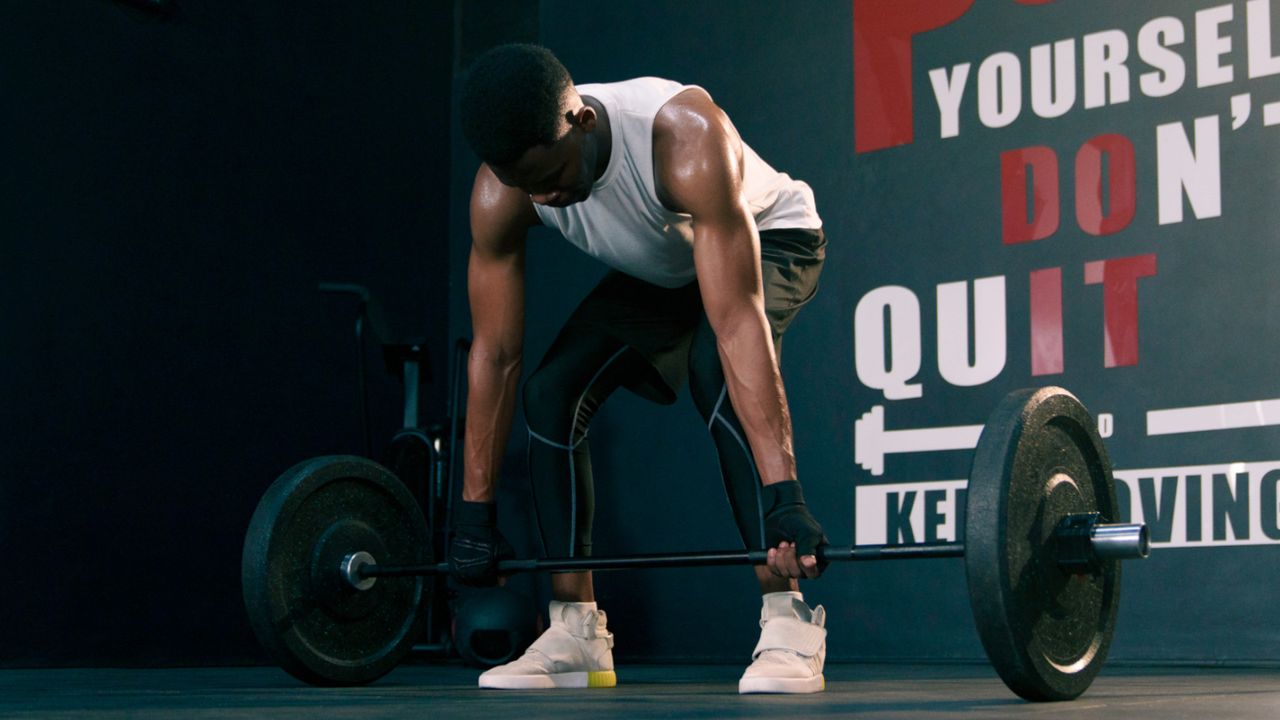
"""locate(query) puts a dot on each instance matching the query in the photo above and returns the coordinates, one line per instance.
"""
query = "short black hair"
(511, 101)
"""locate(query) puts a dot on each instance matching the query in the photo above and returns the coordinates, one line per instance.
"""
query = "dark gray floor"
(667, 691)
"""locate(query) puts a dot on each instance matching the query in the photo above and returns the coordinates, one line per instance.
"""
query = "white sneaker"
(792, 647)
(575, 652)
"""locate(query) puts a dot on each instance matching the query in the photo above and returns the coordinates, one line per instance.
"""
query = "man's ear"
(584, 117)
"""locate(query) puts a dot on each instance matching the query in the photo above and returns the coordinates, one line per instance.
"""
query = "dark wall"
(174, 188)
(917, 213)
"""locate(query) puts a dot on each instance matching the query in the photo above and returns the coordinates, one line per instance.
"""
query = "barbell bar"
(1079, 550)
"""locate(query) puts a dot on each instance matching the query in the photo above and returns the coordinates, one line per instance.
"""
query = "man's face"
(559, 174)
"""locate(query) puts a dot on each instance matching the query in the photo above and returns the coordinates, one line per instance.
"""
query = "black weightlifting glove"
(476, 546)
(787, 519)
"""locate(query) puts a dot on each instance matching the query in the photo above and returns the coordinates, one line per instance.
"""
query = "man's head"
(521, 114)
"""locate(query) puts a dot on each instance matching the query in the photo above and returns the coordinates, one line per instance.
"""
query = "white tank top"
(624, 225)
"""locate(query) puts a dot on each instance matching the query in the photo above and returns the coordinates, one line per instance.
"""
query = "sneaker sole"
(793, 686)
(593, 679)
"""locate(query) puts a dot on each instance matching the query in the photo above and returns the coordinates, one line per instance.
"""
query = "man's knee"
(547, 404)
(706, 376)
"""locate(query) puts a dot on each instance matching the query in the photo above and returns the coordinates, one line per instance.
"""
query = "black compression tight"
(580, 371)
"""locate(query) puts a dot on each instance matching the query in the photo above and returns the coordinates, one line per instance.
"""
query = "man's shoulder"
(690, 114)
(694, 149)
(498, 210)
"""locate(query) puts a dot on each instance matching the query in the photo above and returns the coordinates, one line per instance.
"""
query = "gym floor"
(645, 691)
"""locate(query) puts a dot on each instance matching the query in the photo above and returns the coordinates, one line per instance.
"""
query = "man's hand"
(792, 533)
(476, 546)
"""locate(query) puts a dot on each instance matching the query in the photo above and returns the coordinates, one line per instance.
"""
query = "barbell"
(337, 549)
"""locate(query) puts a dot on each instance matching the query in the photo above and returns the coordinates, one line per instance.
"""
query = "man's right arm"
(500, 218)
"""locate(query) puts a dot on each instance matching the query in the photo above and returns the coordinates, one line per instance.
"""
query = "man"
(713, 253)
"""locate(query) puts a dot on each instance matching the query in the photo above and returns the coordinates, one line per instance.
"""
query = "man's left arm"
(698, 161)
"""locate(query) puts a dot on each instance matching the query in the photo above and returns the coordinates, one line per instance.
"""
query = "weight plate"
(1039, 458)
(312, 621)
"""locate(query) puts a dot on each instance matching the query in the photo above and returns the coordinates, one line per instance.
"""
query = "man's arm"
(495, 282)
(699, 164)
(699, 167)
(500, 217)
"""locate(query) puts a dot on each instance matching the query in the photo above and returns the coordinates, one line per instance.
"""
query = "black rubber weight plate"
(316, 625)
(1039, 458)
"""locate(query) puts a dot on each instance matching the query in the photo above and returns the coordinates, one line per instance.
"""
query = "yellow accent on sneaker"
(602, 679)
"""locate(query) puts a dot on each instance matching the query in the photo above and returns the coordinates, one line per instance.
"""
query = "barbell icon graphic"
(871, 442)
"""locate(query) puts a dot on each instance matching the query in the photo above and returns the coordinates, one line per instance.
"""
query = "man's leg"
(578, 374)
(737, 465)
(591, 358)
(580, 371)
(791, 652)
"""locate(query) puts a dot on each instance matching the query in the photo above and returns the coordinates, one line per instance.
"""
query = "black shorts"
(660, 322)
